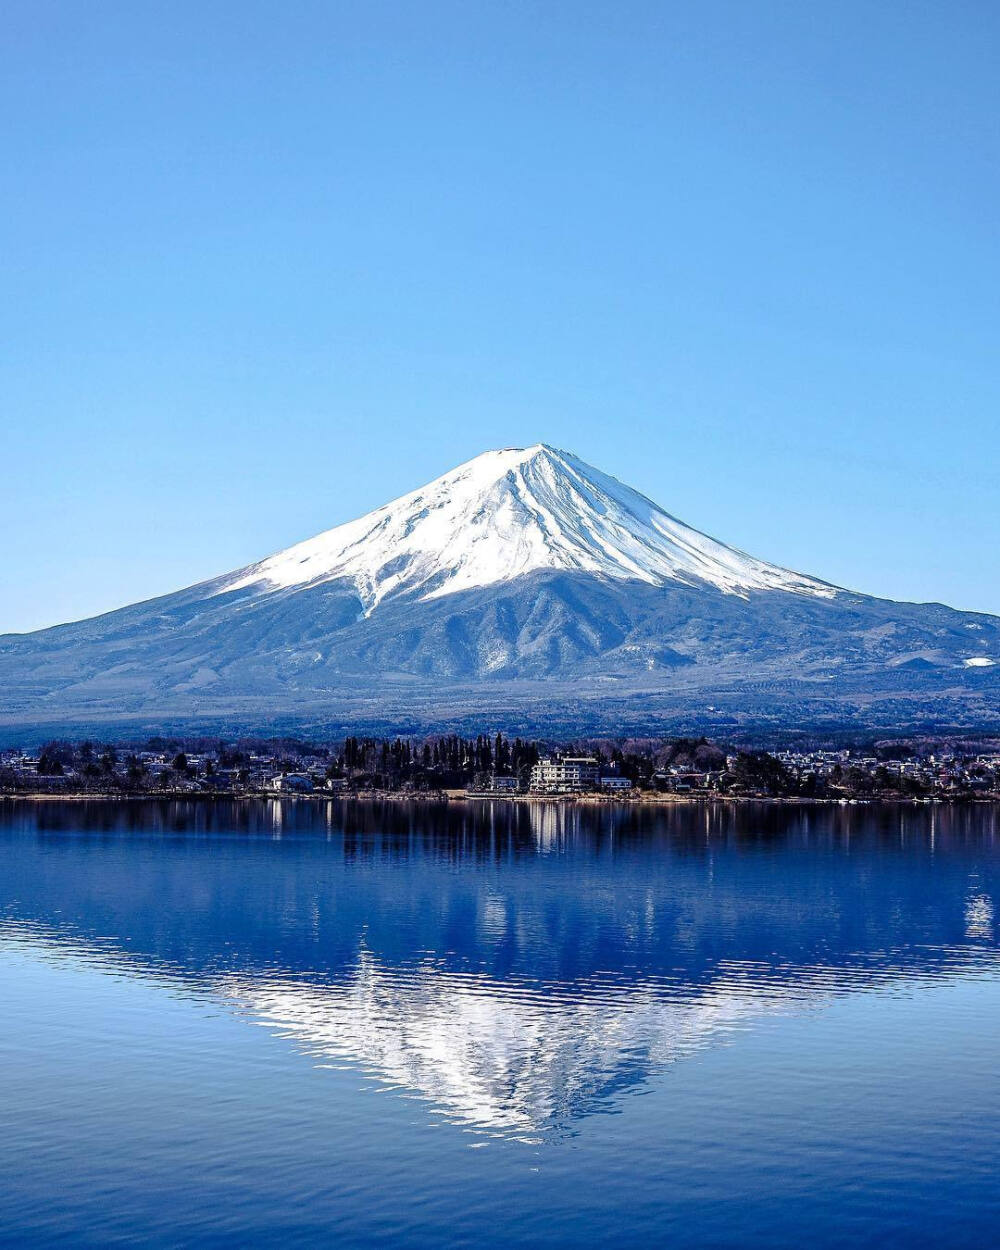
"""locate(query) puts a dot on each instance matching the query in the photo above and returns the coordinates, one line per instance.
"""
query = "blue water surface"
(303, 1023)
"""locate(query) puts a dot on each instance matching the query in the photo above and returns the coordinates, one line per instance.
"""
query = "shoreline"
(452, 796)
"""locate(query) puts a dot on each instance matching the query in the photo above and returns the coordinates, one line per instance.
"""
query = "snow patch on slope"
(508, 513)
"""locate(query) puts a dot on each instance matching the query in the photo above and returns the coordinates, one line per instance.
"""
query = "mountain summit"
(506, 514)
(524, 588)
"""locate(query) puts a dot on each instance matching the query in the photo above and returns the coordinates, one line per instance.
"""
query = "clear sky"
(267, 266)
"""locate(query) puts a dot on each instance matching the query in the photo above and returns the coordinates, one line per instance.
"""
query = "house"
(616, 783)
(292, 783)
(494, 785)
(504, 785)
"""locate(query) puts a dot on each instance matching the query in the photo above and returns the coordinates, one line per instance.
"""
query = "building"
(495, 785)
(616, 783)
(567, 775)
(292, 783)
(504, 785)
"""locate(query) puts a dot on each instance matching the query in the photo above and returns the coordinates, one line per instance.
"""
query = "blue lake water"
(307, 1024)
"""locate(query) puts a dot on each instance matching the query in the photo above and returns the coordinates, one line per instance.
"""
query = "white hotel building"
(564, 776)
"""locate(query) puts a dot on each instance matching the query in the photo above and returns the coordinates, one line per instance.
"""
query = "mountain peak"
(510, 512)
(503, 460)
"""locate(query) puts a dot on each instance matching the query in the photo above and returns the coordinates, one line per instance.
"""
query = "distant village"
(495, 766)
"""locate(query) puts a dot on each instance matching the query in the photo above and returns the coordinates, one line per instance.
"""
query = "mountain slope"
(525, 586)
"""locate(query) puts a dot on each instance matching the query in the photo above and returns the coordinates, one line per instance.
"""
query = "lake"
(281, 1023)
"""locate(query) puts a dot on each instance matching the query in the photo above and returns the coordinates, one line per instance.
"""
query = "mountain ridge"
(524, 583)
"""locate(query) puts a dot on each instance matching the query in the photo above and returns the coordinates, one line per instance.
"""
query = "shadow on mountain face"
(556, 650)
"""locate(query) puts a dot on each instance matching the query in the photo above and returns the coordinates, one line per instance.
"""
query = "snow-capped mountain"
(508, 513)
(524, 587)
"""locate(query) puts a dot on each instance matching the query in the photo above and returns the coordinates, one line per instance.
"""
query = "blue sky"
(267, 266)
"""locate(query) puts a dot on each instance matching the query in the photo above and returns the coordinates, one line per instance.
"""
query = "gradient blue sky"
(267, 266)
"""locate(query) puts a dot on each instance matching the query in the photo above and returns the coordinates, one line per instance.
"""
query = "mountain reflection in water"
(517, 966)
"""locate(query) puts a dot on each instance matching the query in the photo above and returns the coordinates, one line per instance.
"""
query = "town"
(495, 766)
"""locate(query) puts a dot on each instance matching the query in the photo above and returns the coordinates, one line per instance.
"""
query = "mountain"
(524, 588)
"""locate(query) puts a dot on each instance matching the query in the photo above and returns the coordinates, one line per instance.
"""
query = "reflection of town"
(520, 968)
